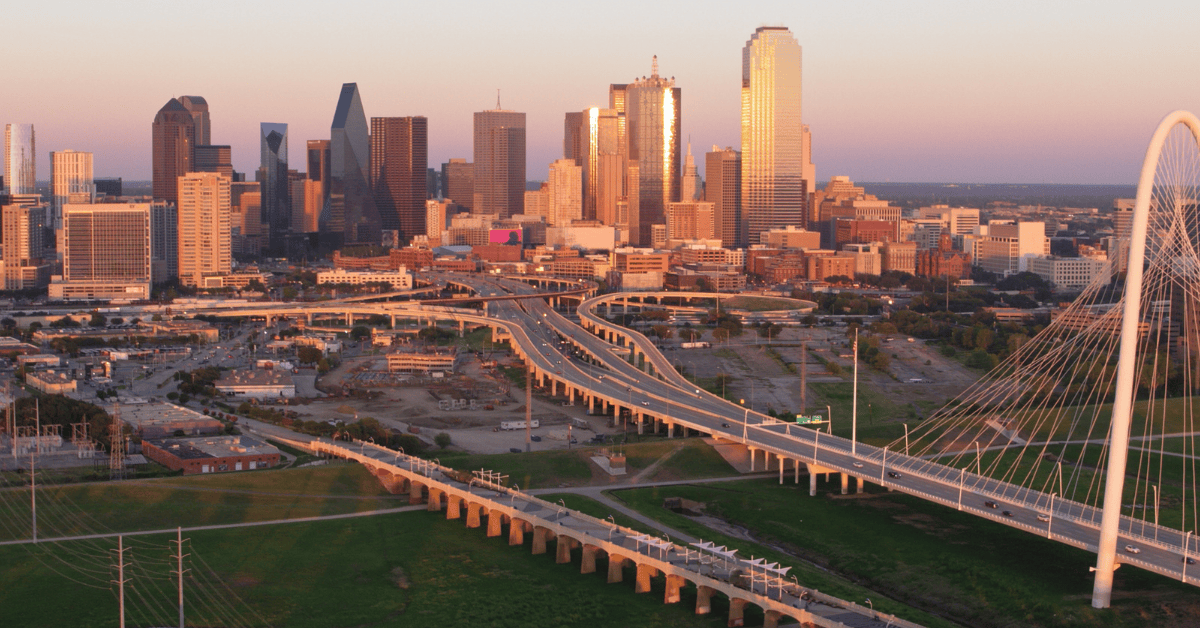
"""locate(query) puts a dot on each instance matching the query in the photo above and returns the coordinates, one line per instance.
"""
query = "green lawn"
(757, 304)
(967, 570)
(412, 569)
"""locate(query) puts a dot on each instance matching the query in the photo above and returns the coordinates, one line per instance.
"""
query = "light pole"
(854, 402)
(745, 425)
(1155, 487)
(962, 475)
(1186, 543)
(906, 439)
(978, 460)
(1050, 514)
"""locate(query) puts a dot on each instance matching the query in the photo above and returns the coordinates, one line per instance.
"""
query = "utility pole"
(33, 493)
(803, 376)
(529, 411)
(120, 581)
(179, 570)
(116, 450)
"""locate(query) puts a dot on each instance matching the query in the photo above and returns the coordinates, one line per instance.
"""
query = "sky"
(919, 91)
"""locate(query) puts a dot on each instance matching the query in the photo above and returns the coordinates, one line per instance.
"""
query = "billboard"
(504, 236)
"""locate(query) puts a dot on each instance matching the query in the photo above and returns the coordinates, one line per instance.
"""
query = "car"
(1133, 549)
(857, 465)
(514, 450)
(1188, 560)
(1043, 516)
(990, 504)
(645, 403)
(1007, 513)
(724, 425)
(535, 438)
(893, 474)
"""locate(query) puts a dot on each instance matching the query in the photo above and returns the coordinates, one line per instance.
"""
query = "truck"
(517, 425)
(695, 345)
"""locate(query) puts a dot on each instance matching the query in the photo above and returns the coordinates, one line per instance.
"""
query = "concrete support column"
(349, 319)
(703, 600)
(644, 574)
(453, 504)
(812, 483)
(435, 500)
(781, 471)
(539, 539)
(737, 612)
(771, 619)
(393, 321)
(495, 524)
(796, 471)
(562, 551)
(860, 484)
(589, 559)
(845, 483)
(616, 572)
(674, 584)
(473, 514)
(416, 492)
(670, 430)
(751, 459)
(516, 532)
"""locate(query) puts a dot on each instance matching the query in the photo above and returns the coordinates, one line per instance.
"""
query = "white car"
(1043, 516)
(857, 465)
(1132, 549)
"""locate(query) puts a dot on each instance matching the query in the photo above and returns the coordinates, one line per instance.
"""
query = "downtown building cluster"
(625, 203)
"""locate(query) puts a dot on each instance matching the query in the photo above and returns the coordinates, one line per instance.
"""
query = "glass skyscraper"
(276, 198)
(351, 203)
(652, 114)
(173, 146)
(399, 164)
(499, 168)
(774, 192)
(20, 167)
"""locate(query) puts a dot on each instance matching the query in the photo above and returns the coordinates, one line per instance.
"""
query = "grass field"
(757, 304)
(965, 569)
(411, 569)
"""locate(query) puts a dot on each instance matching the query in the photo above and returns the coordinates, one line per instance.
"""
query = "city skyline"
(926, 92)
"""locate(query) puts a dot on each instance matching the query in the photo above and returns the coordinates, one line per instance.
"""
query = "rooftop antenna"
(654, 66)
(498, 99)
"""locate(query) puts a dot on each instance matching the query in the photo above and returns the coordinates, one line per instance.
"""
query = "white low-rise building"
(1070, 272)
(400, 279)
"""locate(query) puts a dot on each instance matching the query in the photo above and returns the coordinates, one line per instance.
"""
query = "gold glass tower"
(652, 112)
(773, 187)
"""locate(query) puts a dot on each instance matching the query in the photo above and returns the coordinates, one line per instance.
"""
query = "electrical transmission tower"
(116, 449)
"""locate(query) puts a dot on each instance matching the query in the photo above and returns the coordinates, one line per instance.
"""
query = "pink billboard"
(504, 236)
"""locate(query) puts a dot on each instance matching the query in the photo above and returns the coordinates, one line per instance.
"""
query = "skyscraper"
(316, 186)
(20, 164)
(351, 203)
(689, 185)
(573, 141)
(723, 188)
(566, 193)
(499, 162)
(218, 159)
(603, 167)
(22, 226)
(277, 203)
(173, 145)
(399, 160)
(198, 107)
(774, 192)
(652, 114)
(70, 180)
(164, 242)
(458, 176)
(204, 229)
(106, 252)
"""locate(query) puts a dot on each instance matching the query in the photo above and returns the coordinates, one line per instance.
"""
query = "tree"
(323, 366)
(98, 320)
(361, 331)
(308, 355)
(442, 440)
(65, 321)
(720, 334)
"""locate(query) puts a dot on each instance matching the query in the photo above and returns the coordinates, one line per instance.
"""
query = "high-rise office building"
(22, 227)
(573, 140)
(616, 102)
(106, 252)
(689, 185)
(652, 115)
(164, 242)
(351, 203)
(499, 162)
(399, 161)
(245, 220)
(111, 188)
(173, 148)
(277, 203)
(198, 107)
(774, 193)
(690, 220)
(316, 187)
(218, 159)
(204, 229)
(458, 178)
(566, 193)
(70, 180)
(20, 163)
(723, 188)
(603, 167)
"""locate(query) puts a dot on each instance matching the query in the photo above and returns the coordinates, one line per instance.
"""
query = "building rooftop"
(215, 447)
(246, 377)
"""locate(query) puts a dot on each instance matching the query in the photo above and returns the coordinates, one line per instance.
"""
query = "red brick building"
(211, 454)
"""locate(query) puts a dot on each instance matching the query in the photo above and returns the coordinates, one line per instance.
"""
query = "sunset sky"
(934, 91)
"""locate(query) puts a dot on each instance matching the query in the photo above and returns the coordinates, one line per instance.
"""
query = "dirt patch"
(243, 581)
(400, 578)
